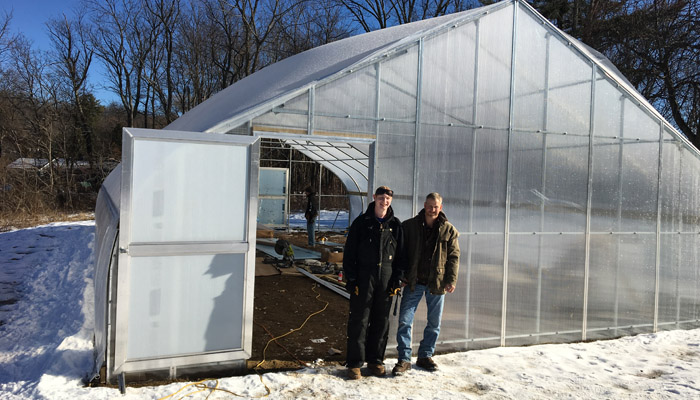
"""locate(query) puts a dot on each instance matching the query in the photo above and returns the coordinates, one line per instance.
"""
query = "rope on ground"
(202, 386)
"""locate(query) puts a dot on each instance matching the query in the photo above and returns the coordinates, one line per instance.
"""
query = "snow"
(46, 309)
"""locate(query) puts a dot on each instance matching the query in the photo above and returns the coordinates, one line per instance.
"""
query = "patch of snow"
(46, 348)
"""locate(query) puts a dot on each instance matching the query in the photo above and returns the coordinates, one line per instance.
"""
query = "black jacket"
(371, 245)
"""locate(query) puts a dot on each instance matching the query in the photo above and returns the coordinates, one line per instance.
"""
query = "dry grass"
(10, 222)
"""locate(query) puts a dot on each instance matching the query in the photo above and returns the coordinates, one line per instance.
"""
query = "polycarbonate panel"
(354, 94)
(343, 125)
(678, 284)
(481, 271)
(271, 211)
(531, 75)
(638, 124)
(608, 109)
(454, 316)
(670, 190)
(445, 163)
(490, 181)
(569, 95)
(395, 161)
(495, 49)
(447, 93)
(273, 182)
(398, 82)
(566, 183)
(169, 180)
(545, 288)
(621, 285)
(690, 187)
(625, 186)
(185, 304)
(292, 114)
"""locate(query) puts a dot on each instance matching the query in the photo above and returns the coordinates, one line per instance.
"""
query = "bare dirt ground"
(312, 318)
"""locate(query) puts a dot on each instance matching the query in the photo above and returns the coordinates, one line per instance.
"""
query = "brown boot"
(354, 373)
(427, 364)
(401, 367)
(376, 369)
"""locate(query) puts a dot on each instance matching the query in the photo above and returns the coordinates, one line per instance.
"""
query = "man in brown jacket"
(432, 256)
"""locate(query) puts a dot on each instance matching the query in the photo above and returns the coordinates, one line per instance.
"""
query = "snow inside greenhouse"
(576, 201)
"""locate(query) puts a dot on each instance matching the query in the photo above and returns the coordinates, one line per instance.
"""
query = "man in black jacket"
(369, 262)
(310, 214)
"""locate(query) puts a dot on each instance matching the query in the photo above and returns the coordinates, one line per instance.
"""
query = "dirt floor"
(312, 318)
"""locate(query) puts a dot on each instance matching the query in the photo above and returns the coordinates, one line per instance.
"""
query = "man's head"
(382, 200)
(432, 206)
(308, 191)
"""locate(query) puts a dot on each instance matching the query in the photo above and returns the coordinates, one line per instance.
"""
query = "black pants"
(368, 322)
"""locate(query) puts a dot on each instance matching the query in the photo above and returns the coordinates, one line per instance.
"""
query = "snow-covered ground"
(46, 311)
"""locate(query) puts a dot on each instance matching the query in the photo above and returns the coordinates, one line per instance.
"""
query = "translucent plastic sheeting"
(679, 290)
(621, 285)
(291, 114)
(568, 90)
(107, 220)
(398, 83)
(395, 163)
(273, 182)
(348, 104)
(481, 275)
(448, 81)
(495, 49)
(545, 288)
(531, 75)
(271, 211)
(185, 304)
(171, 178)
(490, 181)
(438, 171)
(549, 183)
(625, 186)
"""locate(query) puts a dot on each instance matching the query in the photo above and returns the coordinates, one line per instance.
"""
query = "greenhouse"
(576, 201)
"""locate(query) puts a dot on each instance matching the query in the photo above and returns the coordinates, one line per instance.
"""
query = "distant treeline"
(163, 57)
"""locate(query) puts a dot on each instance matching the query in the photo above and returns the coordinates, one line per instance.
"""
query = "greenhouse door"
(186, 244)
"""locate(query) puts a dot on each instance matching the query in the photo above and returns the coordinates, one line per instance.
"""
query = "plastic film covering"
(490, 173)
(495, 50)
(170, 178)
(292, 114)
(440, 147)
(481, 279)
(549, 183)
(545, 288)
(448, 81)
(397, 88)
(163, 322)
(106, 228)
(621, 285)
(348, 104)
(396, 145)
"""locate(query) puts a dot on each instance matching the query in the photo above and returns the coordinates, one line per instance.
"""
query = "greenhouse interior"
(576, 201)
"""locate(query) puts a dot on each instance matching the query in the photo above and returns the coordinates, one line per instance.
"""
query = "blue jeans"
(311, 230)
(409, 303)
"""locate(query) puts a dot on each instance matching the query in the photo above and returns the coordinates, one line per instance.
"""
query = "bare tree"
(121, 40)
(72, 57)
(164, 16)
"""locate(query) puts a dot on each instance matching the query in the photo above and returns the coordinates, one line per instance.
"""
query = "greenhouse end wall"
(576, 202)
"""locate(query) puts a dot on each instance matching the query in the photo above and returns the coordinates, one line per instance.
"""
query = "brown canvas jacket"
(445, 258)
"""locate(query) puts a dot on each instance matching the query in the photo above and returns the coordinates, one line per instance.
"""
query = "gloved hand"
(351, 287)
(394, 287)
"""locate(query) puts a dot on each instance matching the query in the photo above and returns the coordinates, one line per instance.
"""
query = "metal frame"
(121, 363)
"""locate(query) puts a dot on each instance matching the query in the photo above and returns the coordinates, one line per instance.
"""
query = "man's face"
(381, 203)
(432, 208)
